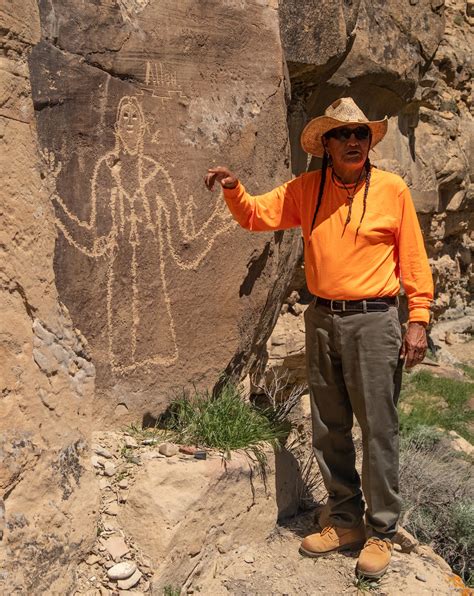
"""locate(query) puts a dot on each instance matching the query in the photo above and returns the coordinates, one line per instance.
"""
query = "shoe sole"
(376, 575)
(349, 546)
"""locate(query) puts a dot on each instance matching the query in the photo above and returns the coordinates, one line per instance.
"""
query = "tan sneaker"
(332, 539)
(374, 558)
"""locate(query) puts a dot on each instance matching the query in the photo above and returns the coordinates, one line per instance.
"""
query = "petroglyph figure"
(135, 221)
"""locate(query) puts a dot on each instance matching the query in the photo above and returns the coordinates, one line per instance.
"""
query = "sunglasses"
(344, 133)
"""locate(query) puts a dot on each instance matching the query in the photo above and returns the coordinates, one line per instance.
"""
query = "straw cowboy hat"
(340, 112)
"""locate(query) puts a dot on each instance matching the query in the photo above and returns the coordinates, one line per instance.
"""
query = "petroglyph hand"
(53, 167)
(220, 174)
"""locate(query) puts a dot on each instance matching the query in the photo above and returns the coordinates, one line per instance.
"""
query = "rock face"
(46, 378)
(413, 62)
(134, 101)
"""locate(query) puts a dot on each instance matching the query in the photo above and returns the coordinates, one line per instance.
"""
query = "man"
(361, 235)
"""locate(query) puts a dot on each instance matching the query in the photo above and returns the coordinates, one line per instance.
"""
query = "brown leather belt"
(366, 305)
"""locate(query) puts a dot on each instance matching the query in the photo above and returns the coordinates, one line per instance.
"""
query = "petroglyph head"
(130, 124)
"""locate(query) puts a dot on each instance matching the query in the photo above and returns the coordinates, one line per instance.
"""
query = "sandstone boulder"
(134, 101)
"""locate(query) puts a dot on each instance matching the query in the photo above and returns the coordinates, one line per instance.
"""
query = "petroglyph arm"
(187, 242)
(94, 236)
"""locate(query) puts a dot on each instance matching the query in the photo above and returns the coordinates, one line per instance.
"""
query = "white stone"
(126, 584)
(122, 570)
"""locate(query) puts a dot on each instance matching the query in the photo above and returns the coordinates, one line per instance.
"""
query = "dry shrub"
(437, 488)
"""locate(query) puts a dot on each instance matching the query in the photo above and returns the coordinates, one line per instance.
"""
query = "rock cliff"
(47, 377)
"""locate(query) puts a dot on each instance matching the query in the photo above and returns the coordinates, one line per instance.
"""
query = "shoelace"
(382, 544)
(326, 530)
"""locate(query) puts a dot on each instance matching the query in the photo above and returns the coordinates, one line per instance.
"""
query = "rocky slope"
(178, 525)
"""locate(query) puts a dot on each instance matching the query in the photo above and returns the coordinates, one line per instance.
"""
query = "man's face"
(129, 126)
(348, 146)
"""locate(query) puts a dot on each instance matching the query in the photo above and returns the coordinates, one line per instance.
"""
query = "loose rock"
(188, 450)
(99, 450)
(113, 509)
(116, 547)
(122, 570)
(92, 559)
(421, 577)
(130, 442)
(122, 483)
(109, 468)
(405, 540)
(168, 449)
(126, 584)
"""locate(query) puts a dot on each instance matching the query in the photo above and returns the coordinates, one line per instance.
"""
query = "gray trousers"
(353, 367)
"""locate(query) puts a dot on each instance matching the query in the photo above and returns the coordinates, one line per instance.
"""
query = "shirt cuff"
(233, 193)
(419, 315)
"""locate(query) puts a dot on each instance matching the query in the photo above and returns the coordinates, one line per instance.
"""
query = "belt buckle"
(343, 307)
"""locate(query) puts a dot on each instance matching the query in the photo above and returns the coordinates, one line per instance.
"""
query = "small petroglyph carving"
(130, 9)
(162, 80)
(135, 218)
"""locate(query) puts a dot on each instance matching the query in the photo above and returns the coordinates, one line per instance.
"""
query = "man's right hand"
(220, 174)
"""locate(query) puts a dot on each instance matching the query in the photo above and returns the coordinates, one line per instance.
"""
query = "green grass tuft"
(437, 402)
(170, 590)
(468, 370)
(226, 422)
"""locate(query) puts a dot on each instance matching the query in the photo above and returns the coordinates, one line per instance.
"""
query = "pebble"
(109, 564)
(109, 468)
(188, 450)
(126, 584)
(200, 455)
(420, 577)
(280, 567)
(123, 496)
(122, 570)
(95, 461)
(168, 449)
(92, 559)
(248, 558)
(113, 509)
(123, 483)
(101, 451)
(130, 442)
(149, 441)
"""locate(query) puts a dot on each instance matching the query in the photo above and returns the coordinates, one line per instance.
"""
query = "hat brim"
(311, 137)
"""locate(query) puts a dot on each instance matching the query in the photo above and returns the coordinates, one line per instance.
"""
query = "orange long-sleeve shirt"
(338, 265)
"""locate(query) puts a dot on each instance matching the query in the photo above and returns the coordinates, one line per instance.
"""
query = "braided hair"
(326, 162)
(368, 173)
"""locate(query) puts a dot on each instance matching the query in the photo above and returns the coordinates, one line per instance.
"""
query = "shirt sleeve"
(414, 267)
(278, 209)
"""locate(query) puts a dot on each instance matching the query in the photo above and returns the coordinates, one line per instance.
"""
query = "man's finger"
(410, 358)
(209, 180)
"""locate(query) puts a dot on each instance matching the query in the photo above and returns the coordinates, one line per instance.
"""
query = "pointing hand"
(220, 174)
